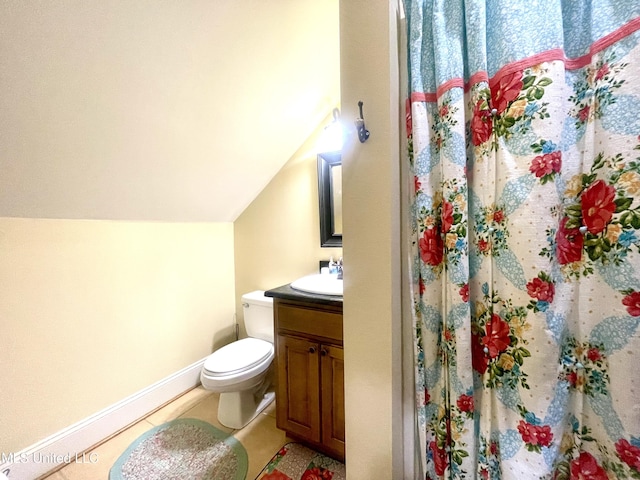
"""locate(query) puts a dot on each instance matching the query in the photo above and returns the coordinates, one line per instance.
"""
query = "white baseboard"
(68, 445)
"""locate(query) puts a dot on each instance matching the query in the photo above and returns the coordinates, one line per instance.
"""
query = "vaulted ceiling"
(157, 110)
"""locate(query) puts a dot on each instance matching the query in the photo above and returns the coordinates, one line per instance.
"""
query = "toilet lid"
(238, 356)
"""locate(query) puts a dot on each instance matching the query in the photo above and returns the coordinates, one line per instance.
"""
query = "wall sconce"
(363, 133)
(332, 136)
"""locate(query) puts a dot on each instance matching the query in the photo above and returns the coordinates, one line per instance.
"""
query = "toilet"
(241, 372)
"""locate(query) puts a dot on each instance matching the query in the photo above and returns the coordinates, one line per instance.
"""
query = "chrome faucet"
(336, 267)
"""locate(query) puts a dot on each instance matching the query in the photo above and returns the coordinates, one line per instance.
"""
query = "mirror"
(330, 196)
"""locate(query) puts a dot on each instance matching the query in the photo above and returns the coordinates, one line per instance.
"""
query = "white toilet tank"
(258, 315)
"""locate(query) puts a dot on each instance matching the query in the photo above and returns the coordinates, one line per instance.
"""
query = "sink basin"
(322, 284)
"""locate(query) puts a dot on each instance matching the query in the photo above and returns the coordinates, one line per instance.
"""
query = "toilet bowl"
(241, 372)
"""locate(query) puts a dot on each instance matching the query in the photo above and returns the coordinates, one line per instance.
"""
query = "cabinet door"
(298, 394)
(332, 368)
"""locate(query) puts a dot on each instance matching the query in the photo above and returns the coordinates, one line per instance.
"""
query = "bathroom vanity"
(310, 368)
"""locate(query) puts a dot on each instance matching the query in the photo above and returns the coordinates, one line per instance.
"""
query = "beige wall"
(369, 72)
(93, 311)
(277, 238)
(157, 110)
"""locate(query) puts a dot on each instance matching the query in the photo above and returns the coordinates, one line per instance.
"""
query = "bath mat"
(297, 462)
(181, 449)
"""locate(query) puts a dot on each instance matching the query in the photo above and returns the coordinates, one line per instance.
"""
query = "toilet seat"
(238, 356)
(237, 361)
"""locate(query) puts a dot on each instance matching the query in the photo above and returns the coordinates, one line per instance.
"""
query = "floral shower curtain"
(523, 126)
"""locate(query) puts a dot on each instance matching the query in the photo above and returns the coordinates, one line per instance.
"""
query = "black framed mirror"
(330, 196)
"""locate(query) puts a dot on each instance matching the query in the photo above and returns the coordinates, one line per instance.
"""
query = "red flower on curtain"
(598, 206)
(632, 302)
(629, 454)
(586, 467)
(431, 247)
(507, 90)
(497, 336)
(464, 292)
(541, 290)
(465, 403)
(493, 448)
(417, 184)
(479, 360)
(569, 243)
(483, 245)
(481, 124)
(583, 113)
(440, 459)
(447, 216)
(546, 164)
(535, 434)
(594, 354)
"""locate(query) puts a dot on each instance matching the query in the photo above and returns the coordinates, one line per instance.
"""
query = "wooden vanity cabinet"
(310, 378)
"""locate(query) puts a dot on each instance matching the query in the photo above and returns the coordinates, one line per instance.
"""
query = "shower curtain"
(523, 128)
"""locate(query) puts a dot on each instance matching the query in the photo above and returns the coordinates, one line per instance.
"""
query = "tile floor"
(260, 438)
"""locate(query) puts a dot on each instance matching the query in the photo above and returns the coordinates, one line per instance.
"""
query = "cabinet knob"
(324, 352)
(312, 349)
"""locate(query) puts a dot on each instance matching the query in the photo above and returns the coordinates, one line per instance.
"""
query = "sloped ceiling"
(157, 110)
